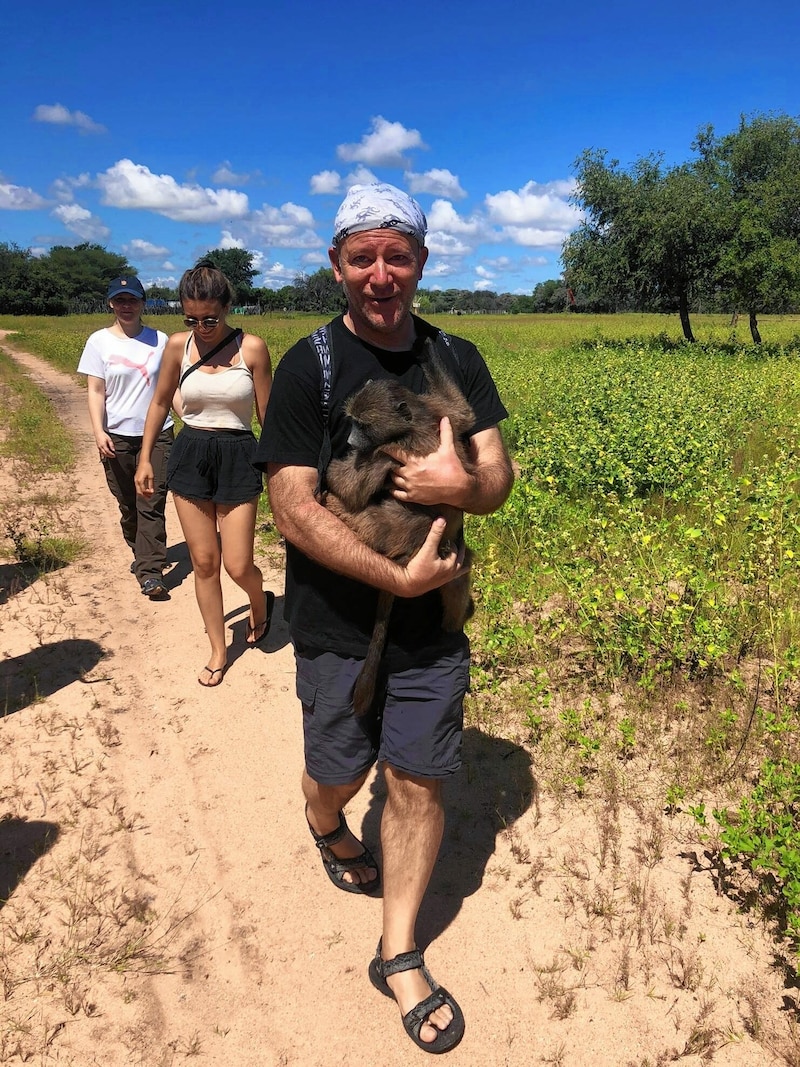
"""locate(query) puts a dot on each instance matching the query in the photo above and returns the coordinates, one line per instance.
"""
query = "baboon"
(383, 412)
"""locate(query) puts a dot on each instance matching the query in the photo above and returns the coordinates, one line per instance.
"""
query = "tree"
(83, 272)
(237, 266)
(756, 170)
(319, 292)
(25, 286)
(650, 236)
(66, 279)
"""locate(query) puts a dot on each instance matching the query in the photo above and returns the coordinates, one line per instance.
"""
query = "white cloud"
(327, 181)
(446, 244)
(289, 226)
(166, 265)
(19, 198)
(359, 176)
(278, 275)
(144, 249)
(384, 146)
(482, 272)
(484, 283)
(63, 188)
(58, 115)
(227, 240)
(225, 175)
(443, 216)
(533, 237)
(168, 281)
(38, 251)
(132, 185)
(81, 222)
(439, 270)
(536, 215)
(315, 259)
(437, 183)
(502, 263)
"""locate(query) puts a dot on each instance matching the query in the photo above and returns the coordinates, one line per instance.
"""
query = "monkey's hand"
(438, 478)
(427, 569)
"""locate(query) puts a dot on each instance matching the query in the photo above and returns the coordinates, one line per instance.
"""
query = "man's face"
(379, 271)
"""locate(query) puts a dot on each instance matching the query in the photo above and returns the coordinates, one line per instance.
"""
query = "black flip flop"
(269, 603)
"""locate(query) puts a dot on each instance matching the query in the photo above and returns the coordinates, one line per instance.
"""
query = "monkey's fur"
(383, 412)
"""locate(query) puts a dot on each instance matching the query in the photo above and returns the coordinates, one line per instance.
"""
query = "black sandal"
(336, 867)
(380, 970)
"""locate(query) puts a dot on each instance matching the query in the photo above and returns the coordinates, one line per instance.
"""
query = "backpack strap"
(322, 343)
(321, 340)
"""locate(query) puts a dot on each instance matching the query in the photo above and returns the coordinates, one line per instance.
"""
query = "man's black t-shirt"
(324, 609)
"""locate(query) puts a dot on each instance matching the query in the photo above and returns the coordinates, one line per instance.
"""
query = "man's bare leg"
(411, 833)
(323, 804)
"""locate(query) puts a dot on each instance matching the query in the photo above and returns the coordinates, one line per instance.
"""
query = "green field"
(639, 594)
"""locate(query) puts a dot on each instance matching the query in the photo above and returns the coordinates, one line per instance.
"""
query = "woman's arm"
(256, 355)
(96, 399)
(163, 398)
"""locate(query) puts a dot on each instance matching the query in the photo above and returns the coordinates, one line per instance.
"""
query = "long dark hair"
(206, 282)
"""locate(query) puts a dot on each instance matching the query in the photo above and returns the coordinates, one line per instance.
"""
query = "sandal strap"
(404, 961)
(419, 1014)
(324, 840)
(339, 865)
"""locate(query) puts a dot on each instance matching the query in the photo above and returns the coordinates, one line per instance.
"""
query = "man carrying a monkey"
(332, 582)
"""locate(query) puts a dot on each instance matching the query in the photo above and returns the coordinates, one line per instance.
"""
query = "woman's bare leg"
(198, 519)
(237, 529)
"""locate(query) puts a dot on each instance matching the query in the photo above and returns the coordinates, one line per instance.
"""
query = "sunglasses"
(208, 322)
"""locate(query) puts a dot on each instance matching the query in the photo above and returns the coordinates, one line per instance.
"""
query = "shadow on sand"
(22, 843)
(44, 670)
(493, 789)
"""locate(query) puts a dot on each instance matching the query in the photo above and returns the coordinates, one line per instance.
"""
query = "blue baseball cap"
(128, 283)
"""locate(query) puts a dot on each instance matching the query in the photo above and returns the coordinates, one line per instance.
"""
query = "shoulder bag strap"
(208, 355)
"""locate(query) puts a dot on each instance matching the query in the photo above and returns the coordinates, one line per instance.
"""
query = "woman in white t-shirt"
(224, 375)
(121, 364)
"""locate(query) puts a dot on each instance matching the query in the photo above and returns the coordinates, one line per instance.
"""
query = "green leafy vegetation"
(637, 622)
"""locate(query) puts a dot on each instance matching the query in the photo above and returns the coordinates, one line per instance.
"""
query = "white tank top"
(218, 400)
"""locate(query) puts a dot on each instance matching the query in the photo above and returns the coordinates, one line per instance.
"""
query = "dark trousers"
(141, 519)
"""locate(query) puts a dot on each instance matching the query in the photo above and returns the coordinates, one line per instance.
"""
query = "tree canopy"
(65, 280)
(723, 227)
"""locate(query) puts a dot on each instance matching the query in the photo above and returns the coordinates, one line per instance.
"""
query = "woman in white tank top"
(223, 376)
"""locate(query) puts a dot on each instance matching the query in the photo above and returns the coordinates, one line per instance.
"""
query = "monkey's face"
(381, 412)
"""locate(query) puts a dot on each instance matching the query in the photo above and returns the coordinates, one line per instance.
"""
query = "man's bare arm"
(325, 538)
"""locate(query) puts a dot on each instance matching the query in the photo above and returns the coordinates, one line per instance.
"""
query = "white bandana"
(379, 207)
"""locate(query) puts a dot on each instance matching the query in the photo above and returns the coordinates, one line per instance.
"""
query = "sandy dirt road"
(165, 900)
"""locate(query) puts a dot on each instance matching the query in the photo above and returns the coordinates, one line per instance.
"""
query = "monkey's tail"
(367, 681)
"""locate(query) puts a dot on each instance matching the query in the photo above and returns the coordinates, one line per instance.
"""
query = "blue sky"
(161, 131)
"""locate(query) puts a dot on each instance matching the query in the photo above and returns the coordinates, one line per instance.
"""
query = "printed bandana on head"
(379, 207)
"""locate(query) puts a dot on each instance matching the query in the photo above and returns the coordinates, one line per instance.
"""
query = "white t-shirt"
(129, 366)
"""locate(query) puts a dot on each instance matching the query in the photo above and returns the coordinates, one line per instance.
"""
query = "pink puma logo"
(123, 361)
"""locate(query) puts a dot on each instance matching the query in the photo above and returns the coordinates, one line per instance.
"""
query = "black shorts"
(215, 465)
(417, 730)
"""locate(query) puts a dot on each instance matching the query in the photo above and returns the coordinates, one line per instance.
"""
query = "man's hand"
(427, 570)
(438, 478)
